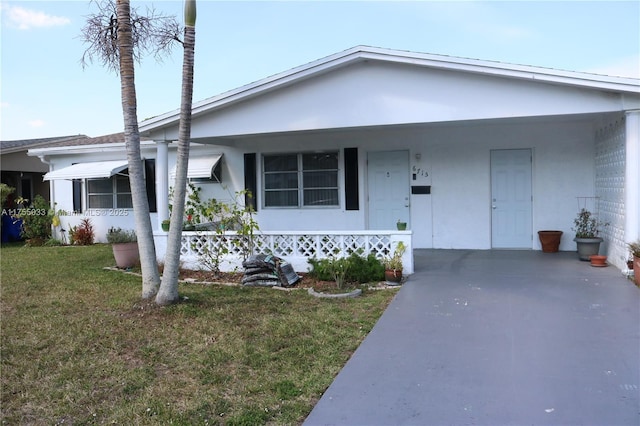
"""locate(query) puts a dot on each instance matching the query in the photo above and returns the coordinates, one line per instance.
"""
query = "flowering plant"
(586, 225)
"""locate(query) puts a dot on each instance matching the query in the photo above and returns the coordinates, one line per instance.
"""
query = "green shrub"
(53, 242)
(36, 221)
(359, 269)
(321, 269)
(365, 270)
(5, 191)
(119, 236)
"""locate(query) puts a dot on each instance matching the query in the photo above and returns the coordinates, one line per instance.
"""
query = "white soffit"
(94, 170)
(200, 168)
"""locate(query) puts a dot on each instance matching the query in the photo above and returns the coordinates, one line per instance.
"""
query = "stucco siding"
(562, 169)
(371, 93)
(62, 195)
(455, 161)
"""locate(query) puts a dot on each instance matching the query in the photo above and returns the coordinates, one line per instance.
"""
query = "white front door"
(388, 180)
(511, 201)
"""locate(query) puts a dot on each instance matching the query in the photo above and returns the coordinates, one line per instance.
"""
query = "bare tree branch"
(152, 33)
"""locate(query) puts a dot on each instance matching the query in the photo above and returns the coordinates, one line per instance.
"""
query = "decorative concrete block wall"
(610, 187)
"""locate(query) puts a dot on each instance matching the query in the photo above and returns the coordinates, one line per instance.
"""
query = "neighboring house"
(24, 173)
(472, 154)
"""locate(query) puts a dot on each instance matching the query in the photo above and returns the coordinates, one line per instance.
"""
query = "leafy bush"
(356, 268)
(36, 221)
(83, 234)
(5, 191)
(365, 270)
(221, 216)
(120, 236)
(321, 269)
(53, 242)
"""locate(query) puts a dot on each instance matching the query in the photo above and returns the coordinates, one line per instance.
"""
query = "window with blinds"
(301, 180)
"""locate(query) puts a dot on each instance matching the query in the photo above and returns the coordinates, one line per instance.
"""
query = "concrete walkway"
(496, 338)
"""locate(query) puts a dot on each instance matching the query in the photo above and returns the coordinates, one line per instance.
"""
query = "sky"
(45, 91)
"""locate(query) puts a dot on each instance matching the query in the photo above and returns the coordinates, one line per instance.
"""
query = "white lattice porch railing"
(295, 247)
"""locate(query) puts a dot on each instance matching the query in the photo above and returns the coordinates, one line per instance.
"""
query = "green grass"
(79, 347)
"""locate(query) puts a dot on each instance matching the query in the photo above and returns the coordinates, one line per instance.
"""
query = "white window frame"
(300, 180)
(114, 192)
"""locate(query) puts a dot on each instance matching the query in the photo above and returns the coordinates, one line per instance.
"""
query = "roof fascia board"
(85, 149)
(596, 81)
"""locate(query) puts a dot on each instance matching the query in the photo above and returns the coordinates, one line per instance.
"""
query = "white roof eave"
(81, 149)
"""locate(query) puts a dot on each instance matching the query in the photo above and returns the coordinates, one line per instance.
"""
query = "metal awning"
(201, 168)
(98, 169)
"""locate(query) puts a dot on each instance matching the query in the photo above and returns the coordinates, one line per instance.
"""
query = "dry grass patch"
(79, 347)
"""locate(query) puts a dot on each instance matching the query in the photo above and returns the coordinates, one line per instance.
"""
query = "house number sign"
(419, 171)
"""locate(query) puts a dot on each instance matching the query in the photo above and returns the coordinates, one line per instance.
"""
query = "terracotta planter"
(393, 276)
(598, 260)
(126, 254)
(550, 240)
(636, 270)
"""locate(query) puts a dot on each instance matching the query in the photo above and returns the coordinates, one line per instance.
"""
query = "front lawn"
(79, 347)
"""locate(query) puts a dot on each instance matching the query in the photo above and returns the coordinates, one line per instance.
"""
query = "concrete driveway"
(496, 338)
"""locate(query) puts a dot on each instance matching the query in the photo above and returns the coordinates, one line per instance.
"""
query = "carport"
(496, 338)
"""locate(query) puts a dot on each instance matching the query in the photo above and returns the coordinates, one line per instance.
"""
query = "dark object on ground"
(265, 270)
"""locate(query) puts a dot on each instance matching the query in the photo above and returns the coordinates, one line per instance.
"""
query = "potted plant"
(587, 228)
(165, 225)
(402, 226)
(634, 248)
(550, 240)
(125, 247)
(393, 265)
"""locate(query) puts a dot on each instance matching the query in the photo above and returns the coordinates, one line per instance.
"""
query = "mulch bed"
(307, 280)
(235, 278)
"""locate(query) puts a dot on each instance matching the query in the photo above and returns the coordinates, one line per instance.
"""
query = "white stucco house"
(472, 154)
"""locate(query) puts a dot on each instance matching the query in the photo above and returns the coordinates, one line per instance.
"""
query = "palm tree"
(117, 36)
(146, 246)
(168, 292)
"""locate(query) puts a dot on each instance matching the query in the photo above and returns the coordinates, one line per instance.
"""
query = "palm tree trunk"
(168, 292)
(144, 231)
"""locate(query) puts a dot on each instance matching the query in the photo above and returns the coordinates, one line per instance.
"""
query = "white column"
(162, 180)
(632, 177)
